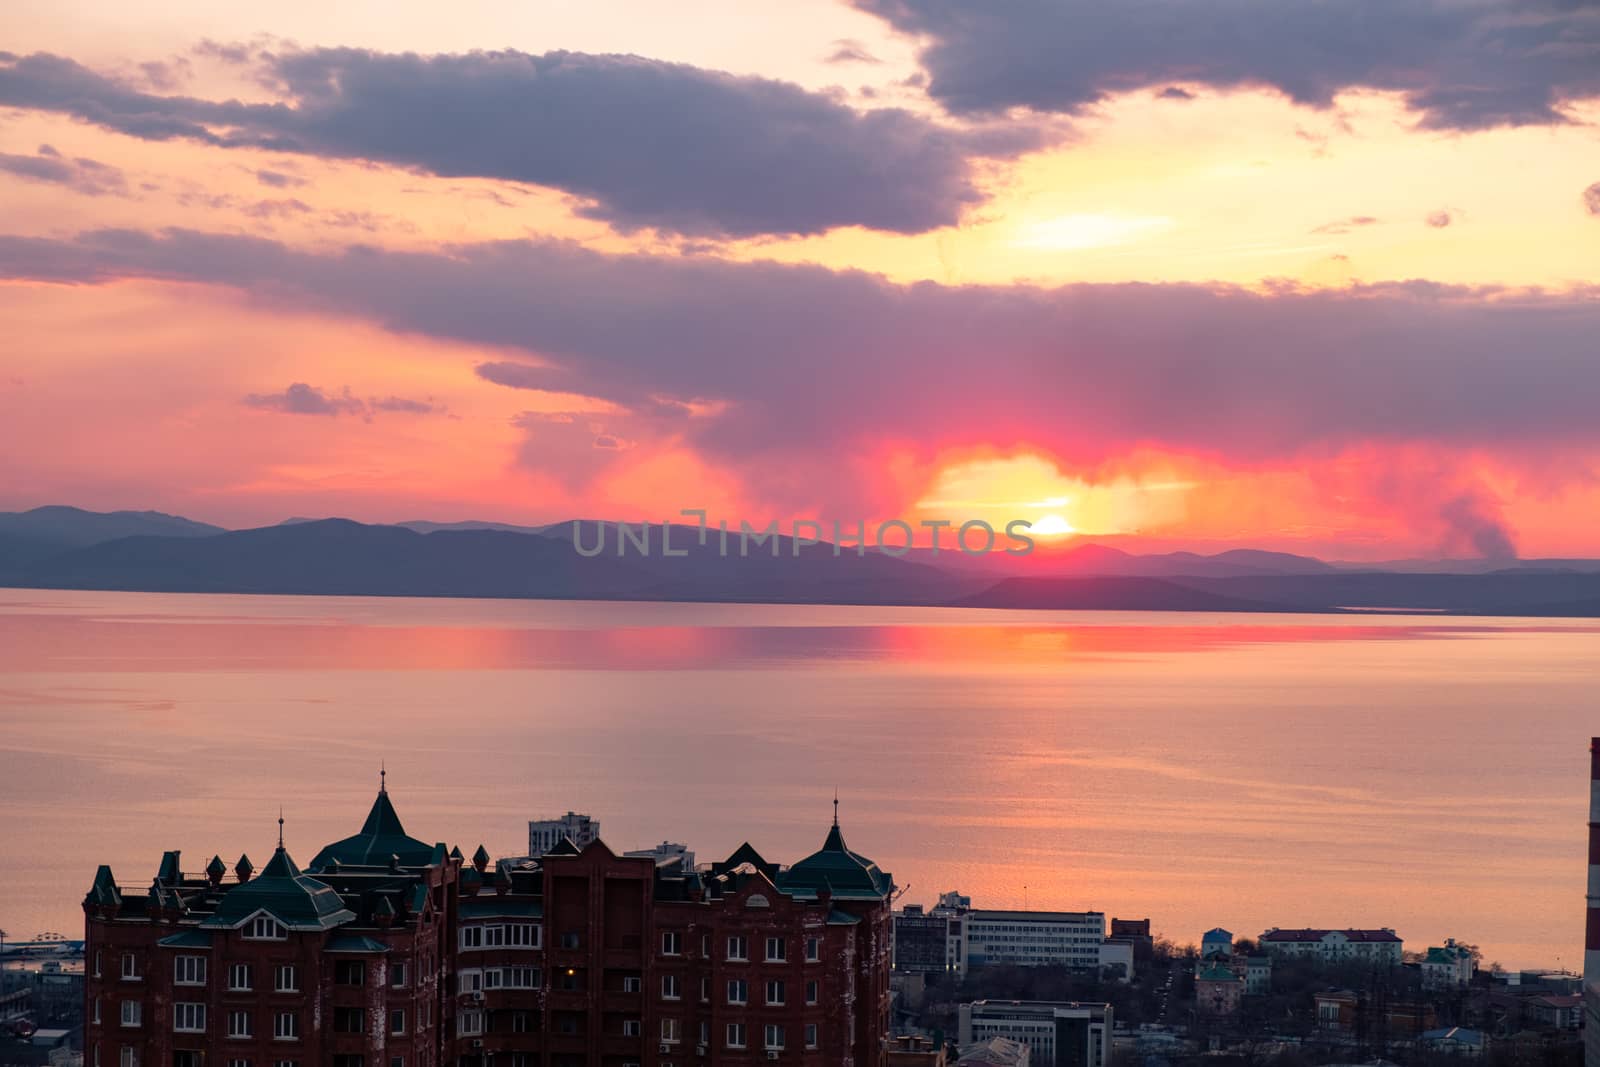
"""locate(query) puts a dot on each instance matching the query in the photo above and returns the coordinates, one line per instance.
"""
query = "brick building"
(389, 952)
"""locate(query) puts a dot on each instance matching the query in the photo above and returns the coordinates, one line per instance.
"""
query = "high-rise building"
(1056, 1033)
(1591, 940)
(389, 952)
(545, 834)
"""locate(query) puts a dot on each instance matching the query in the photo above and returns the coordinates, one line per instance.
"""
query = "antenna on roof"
(280, 827)
(383, 775)
(836, 805)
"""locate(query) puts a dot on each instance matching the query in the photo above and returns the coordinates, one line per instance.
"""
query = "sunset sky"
(1311, 275)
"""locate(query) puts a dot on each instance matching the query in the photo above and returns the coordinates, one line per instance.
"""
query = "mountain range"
(61, 547)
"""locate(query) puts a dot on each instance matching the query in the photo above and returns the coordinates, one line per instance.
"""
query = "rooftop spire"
(280, 827)
(835, 805)
(383, 777)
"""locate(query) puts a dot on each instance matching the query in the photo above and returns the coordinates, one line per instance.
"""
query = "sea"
(1423, 773)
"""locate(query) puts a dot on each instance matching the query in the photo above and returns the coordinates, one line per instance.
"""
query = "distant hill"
(68, 548)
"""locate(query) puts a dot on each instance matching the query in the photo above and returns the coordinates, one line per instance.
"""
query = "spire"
(280, 827)
(836, 805)
(383, 776)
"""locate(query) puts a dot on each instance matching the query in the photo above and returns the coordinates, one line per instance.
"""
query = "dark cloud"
(1460, 65)
(302, 399)
(641, 143)
(277, 179)
(277, 209)
(1354, 222)
(797, 369)
(848, 51)
(1439, 219)
(1475, 524)
(86, 176)
(1173, 92)
(1591, 199)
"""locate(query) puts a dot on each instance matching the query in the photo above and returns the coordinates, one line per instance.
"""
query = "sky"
(1308, 275)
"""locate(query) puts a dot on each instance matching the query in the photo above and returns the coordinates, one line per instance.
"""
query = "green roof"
(352, 943)
(838, 870)
(381, 838)
(1217, 974)
(296, 900)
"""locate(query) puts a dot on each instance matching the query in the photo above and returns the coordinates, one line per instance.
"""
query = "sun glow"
(1052, 526)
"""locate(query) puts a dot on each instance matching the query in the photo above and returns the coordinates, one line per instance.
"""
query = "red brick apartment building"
(389, 952)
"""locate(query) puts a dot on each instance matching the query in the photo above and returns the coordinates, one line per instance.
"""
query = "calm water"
(1421, 773)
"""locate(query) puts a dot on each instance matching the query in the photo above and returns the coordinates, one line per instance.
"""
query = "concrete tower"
(1591, 938)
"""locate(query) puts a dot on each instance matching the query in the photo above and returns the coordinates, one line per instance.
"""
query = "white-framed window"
(238, 1063)
(469, 1022)
(773, 1036)
(286, 1063)
(189, 970)
(522, 935)
(286, 1026)
(813, 949)
(632, 983)
(777, 949)
(671, 1031)
(239, 1024)
(738, 991)
(522, 977)
(671, 943)
(397, 1020)
(286, 978)
(469, 981)
(240, 977)
(705, 989)
(630, 1028)
(813, 991)
(132, 1013)
(97, 963)
(736, 1035)
(775, 991)
(671, 988)
(397, 975)
(130, 967)
(492, 978)
(265, 928)
(738, 948)
(130, 1056)
(494, 936)
(95, 1018)
(471, 937)
(188, 1017)
(811, 1035)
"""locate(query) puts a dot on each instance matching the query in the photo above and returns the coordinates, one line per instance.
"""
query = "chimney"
(1591, 940)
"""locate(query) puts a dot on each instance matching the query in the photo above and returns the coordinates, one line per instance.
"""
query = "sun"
(1052, 526)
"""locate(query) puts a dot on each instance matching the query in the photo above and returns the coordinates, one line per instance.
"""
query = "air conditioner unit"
(699, 1050)
(772, 1054)
(477, 1042)
(477, 995)
(664, 1048)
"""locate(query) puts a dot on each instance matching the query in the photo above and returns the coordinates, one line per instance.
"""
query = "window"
(188, 1017)
(286, 1063)
(777, 949)
(189, 970)
(774, 1036)
(522, 935)
(397, 1020)
(630, 1028)
(632, 983)
(350, 972)
(738, 991)
(669, 987)
(397, 975)
(521, 1022)
(705, 990)
(238, 1024)
(670, 1031)
(469, 981)
(570, 939)
(347, 1020)
(238, 1063)
(132, 1013)
(738, 949)
(286, 979)
(569, 980)
(130, 967)
(736, 1035)
(492, 978)
(239, 977)
(522, 978)
(812, 991)
(286, 1026)
(397, 1061)
(705, 1032)
(265, 928)
(130, 1056)
(97, 963)
(471, 937)
(348, 1060)
(469, 1022)
(494, 936)
(671, 943)
(813, 949)
(811, 1035)
(775, 992)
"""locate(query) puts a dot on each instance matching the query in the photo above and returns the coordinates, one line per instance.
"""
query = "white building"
(1034, 938)
(1449, 967)
(1216, 941)
(545, 834)
(1377, 947)
(1057, 1034)
(668, 853)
